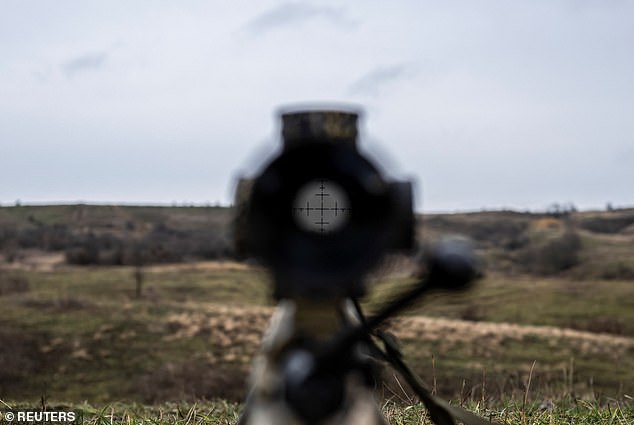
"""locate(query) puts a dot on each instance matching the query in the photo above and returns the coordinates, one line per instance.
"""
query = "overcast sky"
(486, 104)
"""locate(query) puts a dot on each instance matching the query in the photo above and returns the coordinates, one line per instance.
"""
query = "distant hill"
(592, 244)
(598, 244)
(117, 235)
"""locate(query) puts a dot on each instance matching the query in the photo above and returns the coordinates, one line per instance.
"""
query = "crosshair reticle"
(321, 206)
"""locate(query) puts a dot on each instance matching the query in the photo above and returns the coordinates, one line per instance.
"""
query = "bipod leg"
(244, 416)
(440, 411)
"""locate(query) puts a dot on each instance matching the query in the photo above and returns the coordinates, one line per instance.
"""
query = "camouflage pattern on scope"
(240, 220)
(327, 126)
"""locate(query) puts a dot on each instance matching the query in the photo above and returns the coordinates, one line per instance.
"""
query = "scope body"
(320, 215)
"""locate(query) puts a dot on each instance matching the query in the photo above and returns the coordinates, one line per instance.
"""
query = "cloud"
(43, 74)
(289, 14)
(87, 62)
(371, 83)
(625, 155)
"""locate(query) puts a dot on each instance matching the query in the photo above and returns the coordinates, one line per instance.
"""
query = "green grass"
(566, 412)
(79, 334)
(583, 305)
(222, 412)
(114, 285)
(216, 412)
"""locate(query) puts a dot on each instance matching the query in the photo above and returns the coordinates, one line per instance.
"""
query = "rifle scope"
(321, 214)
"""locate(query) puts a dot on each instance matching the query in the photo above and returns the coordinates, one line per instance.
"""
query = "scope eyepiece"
(321, 215)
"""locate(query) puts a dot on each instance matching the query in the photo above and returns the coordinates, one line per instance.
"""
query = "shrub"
(82, 256)
(608, 225)
(554, 255)
(497, 230)
(617, 271)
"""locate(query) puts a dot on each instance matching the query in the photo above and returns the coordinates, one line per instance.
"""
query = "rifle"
(320, 216)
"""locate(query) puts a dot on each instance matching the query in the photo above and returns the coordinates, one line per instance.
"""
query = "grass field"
(80, 334)
(223, 412)
(80, 338)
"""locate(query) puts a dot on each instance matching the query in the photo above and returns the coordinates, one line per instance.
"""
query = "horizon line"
(565, 207)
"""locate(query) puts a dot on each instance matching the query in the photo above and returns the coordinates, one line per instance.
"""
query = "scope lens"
(321, 206)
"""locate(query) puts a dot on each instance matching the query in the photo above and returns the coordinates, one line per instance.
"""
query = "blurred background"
(488, 105)
(123, 127)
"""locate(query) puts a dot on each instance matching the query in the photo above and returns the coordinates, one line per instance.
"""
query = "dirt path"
(34, 260)
(459, 331)
(235, 325)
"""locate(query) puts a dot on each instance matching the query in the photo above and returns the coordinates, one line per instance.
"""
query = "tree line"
(161, 244)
